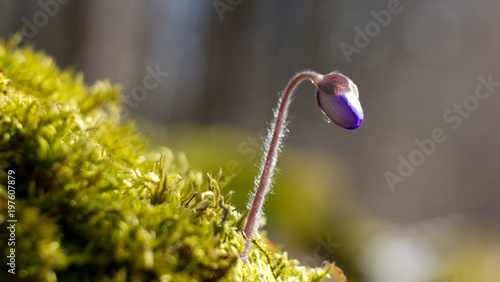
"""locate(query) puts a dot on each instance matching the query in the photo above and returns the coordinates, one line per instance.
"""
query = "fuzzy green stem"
(272, 156)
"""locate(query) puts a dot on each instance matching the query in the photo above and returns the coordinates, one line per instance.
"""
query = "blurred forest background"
(202, 77)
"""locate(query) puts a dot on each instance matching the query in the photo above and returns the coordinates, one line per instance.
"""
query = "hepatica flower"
(337, 98)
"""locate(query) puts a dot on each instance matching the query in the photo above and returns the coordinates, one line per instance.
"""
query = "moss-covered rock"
(89, 204)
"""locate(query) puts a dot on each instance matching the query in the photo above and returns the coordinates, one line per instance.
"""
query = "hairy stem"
(272, 155)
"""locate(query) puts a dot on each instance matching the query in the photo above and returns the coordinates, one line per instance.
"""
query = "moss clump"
(92, 205)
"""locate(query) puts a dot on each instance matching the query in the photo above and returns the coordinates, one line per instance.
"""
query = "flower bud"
(338, 99)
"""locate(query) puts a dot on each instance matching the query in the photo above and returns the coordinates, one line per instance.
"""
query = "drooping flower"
(338, 99)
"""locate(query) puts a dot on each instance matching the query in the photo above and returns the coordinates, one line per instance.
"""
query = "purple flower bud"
(338, 99)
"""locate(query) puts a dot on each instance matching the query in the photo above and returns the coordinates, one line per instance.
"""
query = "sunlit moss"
(92, 205)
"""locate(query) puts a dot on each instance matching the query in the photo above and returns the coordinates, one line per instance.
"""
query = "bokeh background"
(202, 77)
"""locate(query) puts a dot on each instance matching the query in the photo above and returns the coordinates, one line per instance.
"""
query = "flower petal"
(344, 110)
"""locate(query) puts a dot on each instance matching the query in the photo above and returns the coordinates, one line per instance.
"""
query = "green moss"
(92, 205)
